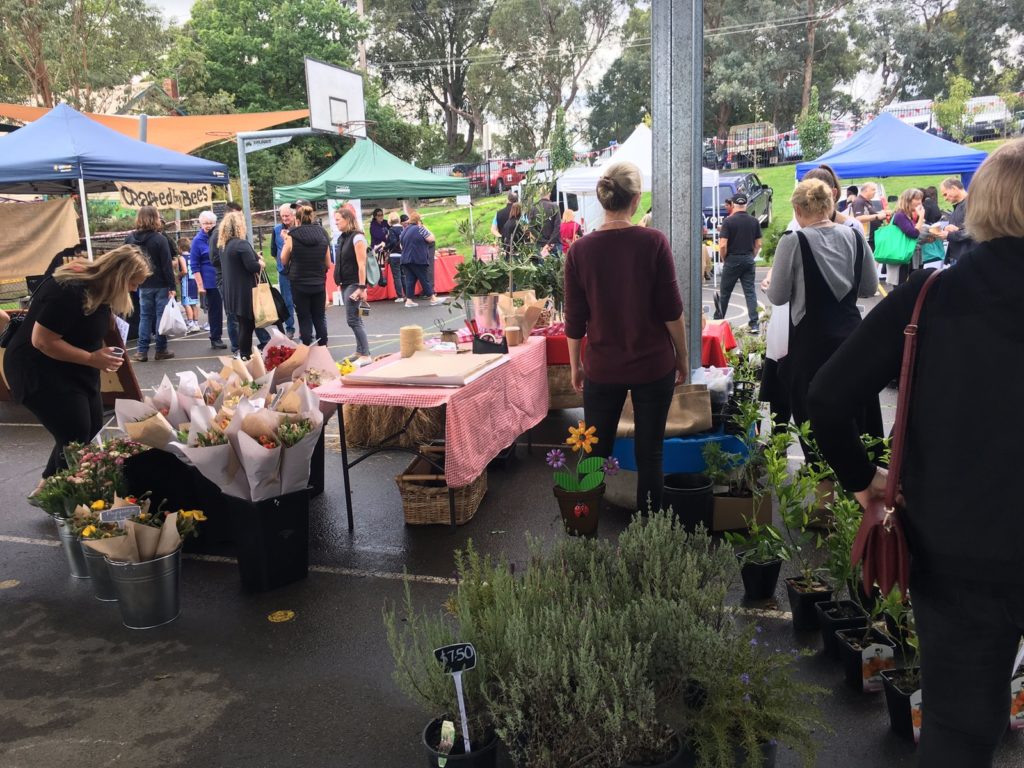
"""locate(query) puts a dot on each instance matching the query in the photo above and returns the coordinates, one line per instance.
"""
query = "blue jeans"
(151, 306)
(414, 273)
(397, 275)
(738, 266)
(285, 286)
(355, 322)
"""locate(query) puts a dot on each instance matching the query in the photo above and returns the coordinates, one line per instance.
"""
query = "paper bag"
(264, 309)
(689, 413)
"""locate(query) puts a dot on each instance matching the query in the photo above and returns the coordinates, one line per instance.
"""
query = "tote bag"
(264, 309)
(892, 246)
(689, 413)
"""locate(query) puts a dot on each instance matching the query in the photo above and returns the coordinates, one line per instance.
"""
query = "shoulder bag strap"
(903, 399)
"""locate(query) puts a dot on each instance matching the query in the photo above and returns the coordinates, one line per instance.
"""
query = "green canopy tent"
(370, 172)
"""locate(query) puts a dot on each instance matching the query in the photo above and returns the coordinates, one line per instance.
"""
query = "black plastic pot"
(801, 604)
(760, 579)
(832, 616)
(849, 641)
(485, 756)
(897, 701)
(691, 499)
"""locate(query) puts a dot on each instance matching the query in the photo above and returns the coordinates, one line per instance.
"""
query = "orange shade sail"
(180, 133)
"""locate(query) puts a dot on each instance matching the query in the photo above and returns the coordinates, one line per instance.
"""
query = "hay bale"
(560, 391)
(368, 426)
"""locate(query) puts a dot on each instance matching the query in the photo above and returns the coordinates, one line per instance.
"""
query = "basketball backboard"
(335, 97)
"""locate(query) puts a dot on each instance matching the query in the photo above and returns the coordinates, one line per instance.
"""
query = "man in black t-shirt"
(863, 210)
(739, 241)
(498, 224)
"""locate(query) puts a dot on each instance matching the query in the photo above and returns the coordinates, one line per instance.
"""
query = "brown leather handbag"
(880, 544)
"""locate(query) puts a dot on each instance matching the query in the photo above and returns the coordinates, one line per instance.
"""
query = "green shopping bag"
(892, 246)
(932, 251)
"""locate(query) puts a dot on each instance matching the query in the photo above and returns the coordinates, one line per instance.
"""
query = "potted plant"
(795, 494)
(739, 478)
(580, 489)
(847, 613)
(902, 686)
(761, 551)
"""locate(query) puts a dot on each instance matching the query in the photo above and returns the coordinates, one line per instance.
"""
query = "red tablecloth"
(715, 339)
(483, 418)
(444, 279)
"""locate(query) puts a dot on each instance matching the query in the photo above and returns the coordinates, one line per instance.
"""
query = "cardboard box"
(731, 512)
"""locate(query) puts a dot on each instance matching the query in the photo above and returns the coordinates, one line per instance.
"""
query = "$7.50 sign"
(456, 658)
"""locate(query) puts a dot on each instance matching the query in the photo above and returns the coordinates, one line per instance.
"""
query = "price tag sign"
(456, 658)
(120, 514)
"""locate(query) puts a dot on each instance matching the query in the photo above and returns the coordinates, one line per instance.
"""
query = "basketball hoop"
(350, 127)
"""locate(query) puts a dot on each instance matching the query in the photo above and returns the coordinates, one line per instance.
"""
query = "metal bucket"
(484, 312)
(148, 593)
(102, 584)
(72, 551)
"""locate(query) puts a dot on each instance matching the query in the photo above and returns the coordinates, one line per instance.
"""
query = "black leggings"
(602, 407)
(311, 310)
(246, 327)
(71, 416)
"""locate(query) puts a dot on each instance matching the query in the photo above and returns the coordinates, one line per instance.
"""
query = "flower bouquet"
(94, 472)
(165, 400)
(143, 423)
(283, 356)
(580, 489)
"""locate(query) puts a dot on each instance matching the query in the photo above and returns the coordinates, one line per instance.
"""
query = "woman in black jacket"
(962, 513)
(307, 255)
(241, 267)
(159, 286)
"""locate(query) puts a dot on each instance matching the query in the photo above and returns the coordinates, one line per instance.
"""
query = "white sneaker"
(400, 299)
(410, 303)
(359, 362)
(204, 327)
(437, 300)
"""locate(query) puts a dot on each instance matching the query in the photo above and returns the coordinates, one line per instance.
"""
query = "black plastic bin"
(271, 539)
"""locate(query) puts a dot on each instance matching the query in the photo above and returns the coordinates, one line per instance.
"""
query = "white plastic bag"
(172, 321)
(777, 337)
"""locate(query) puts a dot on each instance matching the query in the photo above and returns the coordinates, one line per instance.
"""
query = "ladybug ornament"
(581, 510)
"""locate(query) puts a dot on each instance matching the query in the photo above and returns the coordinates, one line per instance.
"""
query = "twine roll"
(410, 339)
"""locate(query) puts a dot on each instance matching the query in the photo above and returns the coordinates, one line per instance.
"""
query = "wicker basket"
(560, 391)
(425, 495)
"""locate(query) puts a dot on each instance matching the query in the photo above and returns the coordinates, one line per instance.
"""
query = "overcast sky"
(178, 9)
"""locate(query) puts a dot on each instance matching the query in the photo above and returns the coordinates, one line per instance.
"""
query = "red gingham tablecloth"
(483, 417)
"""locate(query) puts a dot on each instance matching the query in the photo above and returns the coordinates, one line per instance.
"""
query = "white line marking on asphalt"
(11, 424)
(338, 570)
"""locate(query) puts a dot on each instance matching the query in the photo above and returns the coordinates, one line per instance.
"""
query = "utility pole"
(677, 58)
(362, 43)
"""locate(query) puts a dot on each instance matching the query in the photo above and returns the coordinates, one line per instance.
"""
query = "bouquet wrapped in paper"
(208, 448)
(253, 432)
(141, 542)
(283, 356)
(165, 400)
(298, 436)
(143, 423)
(318, 368)
(189, 392)
(256, 391)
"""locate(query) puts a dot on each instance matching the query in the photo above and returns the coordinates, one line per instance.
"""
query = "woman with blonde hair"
(965, 532)
(53, 363)
(241, 267)
(820, 271)
(570, 230)
(621, 293)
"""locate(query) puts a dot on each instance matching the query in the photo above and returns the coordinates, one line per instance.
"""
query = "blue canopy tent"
(64, 151)
(889, 147)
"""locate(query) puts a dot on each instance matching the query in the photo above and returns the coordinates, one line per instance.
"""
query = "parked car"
(753, 144)
(759, 198)
(496, 176)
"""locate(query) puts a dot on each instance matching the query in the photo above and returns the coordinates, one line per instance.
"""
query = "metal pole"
(677, 56)
(85, 213)
(243, 181)
(143, 127)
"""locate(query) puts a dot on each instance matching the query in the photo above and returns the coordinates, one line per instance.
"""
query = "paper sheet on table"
(427, 369)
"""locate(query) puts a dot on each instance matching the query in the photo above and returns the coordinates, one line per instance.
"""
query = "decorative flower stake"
(589, 472)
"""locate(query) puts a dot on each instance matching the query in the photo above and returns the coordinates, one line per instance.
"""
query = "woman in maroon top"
(621, 293)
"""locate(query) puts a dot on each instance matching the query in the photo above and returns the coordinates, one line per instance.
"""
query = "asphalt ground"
(225, 686)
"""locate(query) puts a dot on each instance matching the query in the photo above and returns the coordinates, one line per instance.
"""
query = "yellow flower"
(143, 517)
(193, 514)
(88, 531)
(345, 367)
(582, 437)
(98, 505)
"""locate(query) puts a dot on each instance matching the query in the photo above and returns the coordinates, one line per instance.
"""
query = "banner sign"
(169, 194)
(255, 145)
